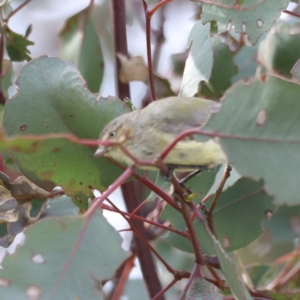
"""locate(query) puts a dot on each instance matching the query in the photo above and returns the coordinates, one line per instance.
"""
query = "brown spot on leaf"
(261, 117)
(47, 174)
(56, 149)
(90, 187)
(4, 282)
(35, 145)
(78, 198)
(225, 242)
(80, 183)
(62, 224)
(23, 127)
(33, 292)
(268, 214)
(71, 114)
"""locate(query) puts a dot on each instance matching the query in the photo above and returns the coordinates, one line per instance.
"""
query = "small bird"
(146, 132)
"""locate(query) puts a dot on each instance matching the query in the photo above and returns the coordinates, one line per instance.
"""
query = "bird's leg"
(167, 175)
(190, 176)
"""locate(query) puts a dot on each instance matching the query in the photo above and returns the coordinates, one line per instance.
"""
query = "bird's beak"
(100, 151)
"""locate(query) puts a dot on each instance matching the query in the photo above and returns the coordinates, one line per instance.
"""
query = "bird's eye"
(112, 134)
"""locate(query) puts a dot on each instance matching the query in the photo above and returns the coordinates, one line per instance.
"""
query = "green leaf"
(202, 183)
(283, 225)
(296, 71)
(80, 43)
(232, 272)
(199, 63)
(251, 17)
(81, 200)
(39, 263)
(16, 45)
(277, 50)
(202, 289)
(257, 273)
(245, 203)
(222, 72)
(264, 250)
(246, 60)
(258, 127)
(60, 207)
(53, 99)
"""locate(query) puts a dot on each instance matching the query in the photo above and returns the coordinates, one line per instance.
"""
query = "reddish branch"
(148, 15)
(16, 10)
(291, 13)
(129, 189)
(214, 203)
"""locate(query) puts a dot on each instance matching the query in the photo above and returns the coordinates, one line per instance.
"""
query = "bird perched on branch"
(146, 132)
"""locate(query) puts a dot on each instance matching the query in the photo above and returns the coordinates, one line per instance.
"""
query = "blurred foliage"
(236, 55)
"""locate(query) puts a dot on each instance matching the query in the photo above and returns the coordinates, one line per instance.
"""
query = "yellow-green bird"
(147, 132)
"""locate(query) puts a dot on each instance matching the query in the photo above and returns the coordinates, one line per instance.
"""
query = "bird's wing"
(174, 115)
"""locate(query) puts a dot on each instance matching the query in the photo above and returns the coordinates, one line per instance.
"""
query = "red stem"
(165, 289)
(123, 279)
(17, 9)
(291, 13)
(168, 228)
(149, 54)
(195, 273)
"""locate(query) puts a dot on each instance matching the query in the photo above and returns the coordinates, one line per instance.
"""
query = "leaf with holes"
(258, 127)
(53, 99)
(199, 63)
(232, 272)
(16, 45)
(245, 203)
(251, 17)
(202, 289)
(39, 264)
(277, 51)
(222, 72)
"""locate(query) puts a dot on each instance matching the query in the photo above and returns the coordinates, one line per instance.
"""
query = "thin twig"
(142, 238)
(149, 54)
(159, 38)
(291, 13)
(217, 195)
(192, 232)
(16, 10)
(168, 228)
(123, 279)
(165, 289)
(194, 274)
(2, 96)
(287, 277)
